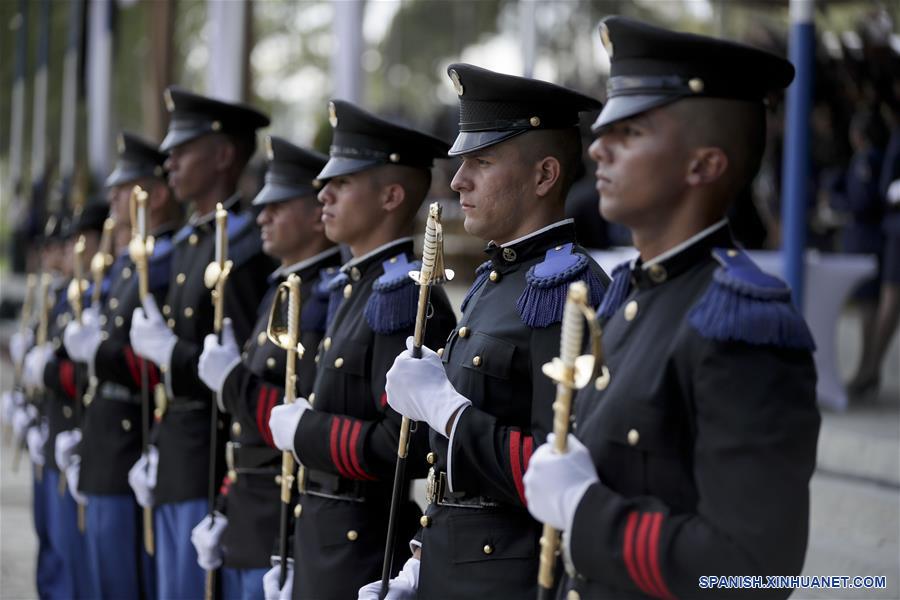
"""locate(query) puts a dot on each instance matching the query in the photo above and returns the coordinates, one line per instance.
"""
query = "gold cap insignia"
(457, 84)
(604, 39)
(332, 114)
(120, 143)
(270, 153)
(170, 104)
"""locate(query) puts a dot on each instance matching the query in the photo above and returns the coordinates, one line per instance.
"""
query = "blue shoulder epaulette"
(334, 285)
(160, 263)
(243, 238)
(314, 314)
(744, 304)
(481, 275)
(617, 291)
(392, 304)
(182, 234)
(547, 284)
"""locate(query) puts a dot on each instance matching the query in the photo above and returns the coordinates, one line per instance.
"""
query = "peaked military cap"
(362, 141)
(651, 67)
(193, 115)
(291, 172)
(494, 107)
(89, 217)
(137, 159)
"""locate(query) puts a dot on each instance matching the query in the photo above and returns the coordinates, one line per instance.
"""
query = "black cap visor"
(470, 141)
(181, 135)
(623, 107)
(341, 165)
(282, 192)
(129, 173)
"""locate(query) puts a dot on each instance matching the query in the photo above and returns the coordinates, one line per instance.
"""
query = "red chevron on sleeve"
(344, 444)
(520, 449)
(132, 361)
(265, 402)
(67, 378)
(640, 550)
(334, 445)
(355, 444)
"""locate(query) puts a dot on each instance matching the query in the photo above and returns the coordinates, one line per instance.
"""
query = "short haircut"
(562, 144)
(415, 183)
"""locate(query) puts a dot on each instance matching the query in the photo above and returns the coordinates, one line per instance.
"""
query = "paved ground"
(855, 518)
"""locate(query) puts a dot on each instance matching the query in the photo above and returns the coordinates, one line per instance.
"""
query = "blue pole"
(796, 161)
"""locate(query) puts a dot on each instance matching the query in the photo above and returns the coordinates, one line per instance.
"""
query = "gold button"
(232, 475)
(103, 319)
(167, 310)
(509, 255)
(270, 362)
(316, 360)
(535, 121)
(633, 437)
(179, 279)
(476, 360)
(171, 323)
(244, 355)
(348, 289)
(352, 535)
(696, 85)
(355, 274)
(327, 343)
(119, 320)
(312, 397)
(67, 412)
(430, 458)
(57, 344)
(278, 480)
(732, 253)
(394, 157)
(573, 595)
(193, 239)
(463, 332)
(657, 273)
(602, 382)
(236, 428)
(298, 510)
(126, 425)
(188, 312)
(261, 338)
(338, 362)
(494, 276)
(440, 352)
(488, 549)
(631, 310)
(114, 303)
(104, 335)
(126, 273)
(425, 521)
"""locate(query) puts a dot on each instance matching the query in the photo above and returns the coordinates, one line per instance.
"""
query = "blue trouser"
(179, 577)
(65, 538)
(118, 564)
(52, 578)
(242, 584)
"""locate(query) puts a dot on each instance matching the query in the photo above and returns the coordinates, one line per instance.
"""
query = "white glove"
(401, 587)
(36, 438)
(20, 343)
(73, 470)
(270, 581)
(82, 339)
(35, 361)
(283, 422)
(205, 537)
(66, 442)
(142, 477)
(217, 360)
(555, 483)
(22, 420)
(420, 390)
(150, 337)
(12, 400)
(893, 197)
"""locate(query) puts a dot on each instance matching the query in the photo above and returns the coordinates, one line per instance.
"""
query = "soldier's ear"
(392, 197)
(225, 155)
(707, 166)
(546, 174)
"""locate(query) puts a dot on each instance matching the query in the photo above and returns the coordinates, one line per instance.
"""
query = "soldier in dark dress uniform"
(112, 426)
(488, 404)
(251, 382)
(346, 435)
(209, 142)
(63, 385)
(695, 453)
